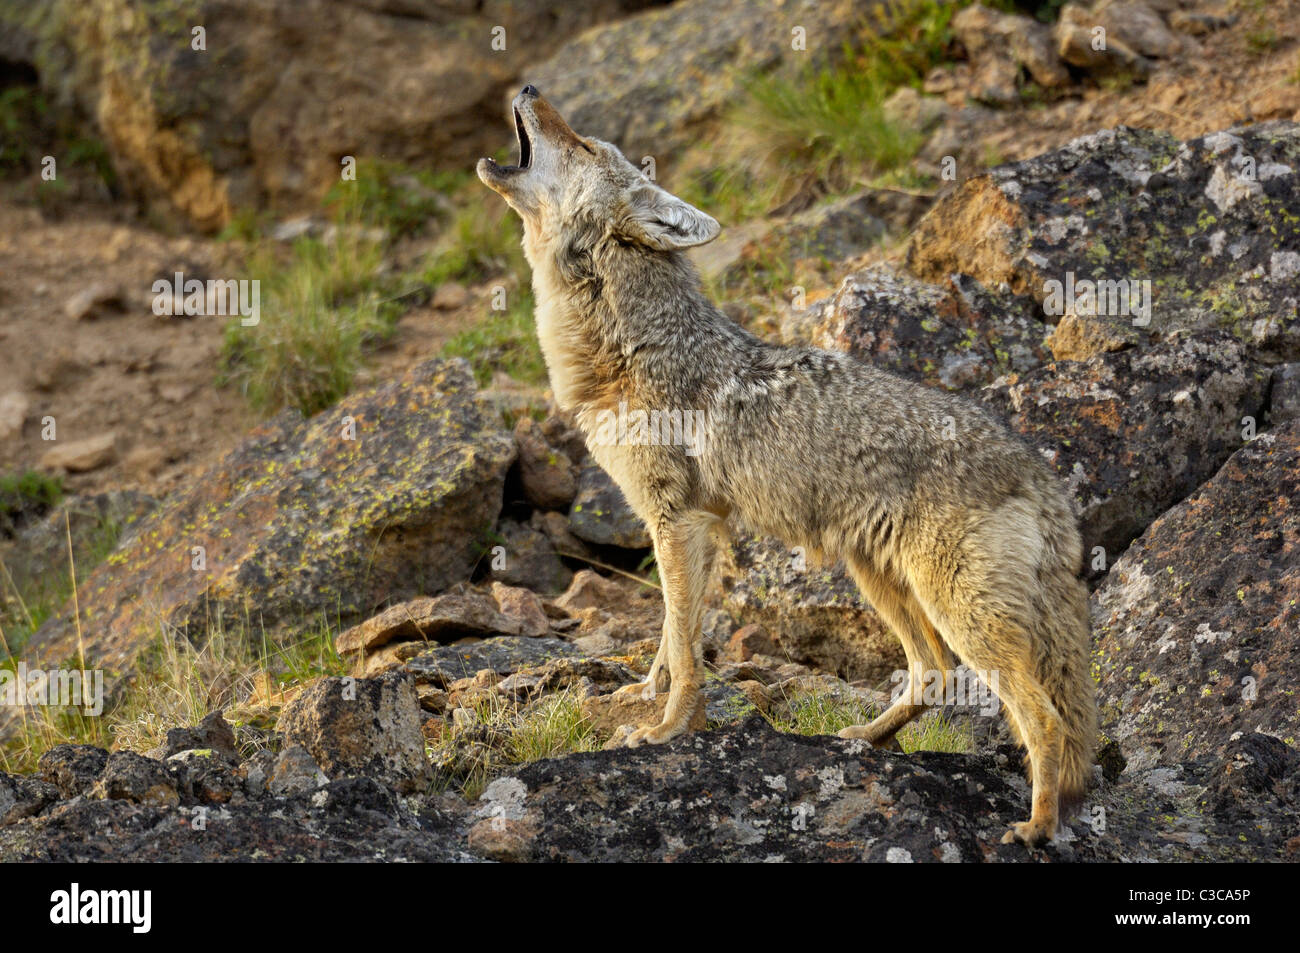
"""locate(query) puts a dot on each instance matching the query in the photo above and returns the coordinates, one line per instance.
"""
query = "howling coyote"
(954, 530)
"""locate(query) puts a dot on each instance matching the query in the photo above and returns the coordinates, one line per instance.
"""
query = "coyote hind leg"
(921, 644)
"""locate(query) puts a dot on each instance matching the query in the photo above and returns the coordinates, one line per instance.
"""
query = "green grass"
(825, 713)
(319, 313)
(503, 341)
(505, 734)
(28, 491)
(398, 199)
(177, 683)
(828, 123)
(482, 241)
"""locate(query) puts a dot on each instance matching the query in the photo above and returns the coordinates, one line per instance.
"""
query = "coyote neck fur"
(621, 323)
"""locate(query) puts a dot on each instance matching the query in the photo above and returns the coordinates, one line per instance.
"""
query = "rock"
(129, 777)
(607, 714)
(445, 664)
(1201, 223)
(748, 640)
(750, 793)
(545, 473)
(24, 797)
(957, 337)
(907, 106)
(522, 606)
(1079, 44)
(211, 777)
(1198, 24)
(1132, 432)
(293, 772)
(91, 301)
(207, 132)
(529, 557)
(1078, 338)
(827, 232)
(461, 613)
(816, 614)
(1001, 43)
(298, 520)
(588, 590)
(352, 819)
(654, 82)
(73, 769)
(81, 456)
(144, 463)
(40, 550)
(450, 295)
(600, 514)
(1137, 27)
(210, 734)
(13, 411)
(361, 727)
(1195, 622)
(1284, 394)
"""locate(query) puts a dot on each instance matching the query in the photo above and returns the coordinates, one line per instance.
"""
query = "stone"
(461, 613)
(128, 776)
(545, 473)
(1127, 219)
(1132, 432)
(81, 456)
(361, 727)
(600, 513)
(299, 520)
(1195, 622)
(815, 613)
(523, 606)
(13, 412)
(91, 301)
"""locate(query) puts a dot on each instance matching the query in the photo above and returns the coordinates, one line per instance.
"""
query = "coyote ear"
(661, 220)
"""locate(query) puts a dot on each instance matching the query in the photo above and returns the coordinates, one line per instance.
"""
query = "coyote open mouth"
(525, 147)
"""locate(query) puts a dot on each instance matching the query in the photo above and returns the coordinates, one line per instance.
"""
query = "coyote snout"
(959, 537)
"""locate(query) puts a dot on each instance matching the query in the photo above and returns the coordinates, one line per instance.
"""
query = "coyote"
(955, 531)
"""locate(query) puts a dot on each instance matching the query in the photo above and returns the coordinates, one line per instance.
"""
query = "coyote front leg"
(684, 553)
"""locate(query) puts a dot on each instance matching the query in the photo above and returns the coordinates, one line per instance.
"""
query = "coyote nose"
(530, 90)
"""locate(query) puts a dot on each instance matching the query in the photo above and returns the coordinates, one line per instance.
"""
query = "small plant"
(503, 341)
(319, 313)
(825, 713)
(177, 683)
(26, 492)
(502, 733)
(402, 201)
(482, 241)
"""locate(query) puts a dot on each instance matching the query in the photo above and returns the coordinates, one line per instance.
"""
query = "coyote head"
(564, 181)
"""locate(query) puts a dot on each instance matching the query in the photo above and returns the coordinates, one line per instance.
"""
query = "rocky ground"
(484, 583)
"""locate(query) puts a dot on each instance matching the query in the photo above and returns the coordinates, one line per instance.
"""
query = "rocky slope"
(1177, 436)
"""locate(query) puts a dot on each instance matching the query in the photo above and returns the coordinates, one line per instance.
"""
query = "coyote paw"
(1030, 833)
(864, 733)
(634, 737)
(642, 690)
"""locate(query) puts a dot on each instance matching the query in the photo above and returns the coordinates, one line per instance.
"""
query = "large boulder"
(1132, 432)
(302, 519)
(1213, 224)
(1196, 624)
(282, 90)
(956, 336)
(815, 613)
(655, 82)
(366, 727)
